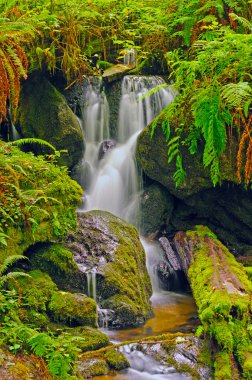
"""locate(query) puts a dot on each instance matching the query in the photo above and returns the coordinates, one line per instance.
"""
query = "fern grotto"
(125, 189)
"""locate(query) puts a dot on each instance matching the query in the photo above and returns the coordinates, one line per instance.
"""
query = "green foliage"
(34, 191)
(225, 314)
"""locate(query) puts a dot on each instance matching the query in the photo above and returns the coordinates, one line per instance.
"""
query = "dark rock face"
(155, 209)
(44, 114)
(151, 155)
(111, 248)
(225, 209)
(105, 147)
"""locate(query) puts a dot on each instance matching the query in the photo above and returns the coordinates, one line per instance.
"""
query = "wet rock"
(105, 147)
(155, 209)
(180, 355)
(48, 117)
(116, 72)
(111, 249)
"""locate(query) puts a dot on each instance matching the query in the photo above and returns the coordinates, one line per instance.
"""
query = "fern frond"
(32, 140)
(243, 21)
(9, 261)
(236, 94)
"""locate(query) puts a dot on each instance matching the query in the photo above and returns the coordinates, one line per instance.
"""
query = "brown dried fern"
(245, 143)
(13, 67)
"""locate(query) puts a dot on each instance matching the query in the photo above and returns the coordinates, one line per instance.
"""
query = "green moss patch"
(222, 292)
(73, 309)
(38, 201)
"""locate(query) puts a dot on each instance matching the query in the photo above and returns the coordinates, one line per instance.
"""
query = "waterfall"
(91, 283)
(112, 179)
(130, 57)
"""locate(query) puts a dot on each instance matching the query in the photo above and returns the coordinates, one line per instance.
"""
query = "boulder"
(73, 309)
(151, 154)
(43, 113)
(156, 206)
(105, 147)
(116, 72)
(110, 248)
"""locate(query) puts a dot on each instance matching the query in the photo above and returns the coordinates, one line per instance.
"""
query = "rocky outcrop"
(151, 155)
(156, 206)
(44, 113)
(105, 147)
(111, 247)
(110, 266)
(116, 72)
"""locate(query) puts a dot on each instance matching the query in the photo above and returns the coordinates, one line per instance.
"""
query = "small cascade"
(112, 182)
(154, 255)
(91, 283)
(143, 366)
(95, 125)
(130, 57)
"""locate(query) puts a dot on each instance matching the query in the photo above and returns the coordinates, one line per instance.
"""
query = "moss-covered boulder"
(151, 154)
(44, 113)
(86, 338)
(111, 249)
(57, 261)
(73, 309)
(222, 292)
(155, 209)
(38, 201)
(116, 360)
(37, 290)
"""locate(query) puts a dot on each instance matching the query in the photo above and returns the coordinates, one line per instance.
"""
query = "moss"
(87, 339)
(113, 247)
(47, 107)
(126, 309)
(44, 199)
(222, 292)
(222, 367)
(37, 291)
(54, 259)
(116, 360)
(92, 367)
(73, 309)
(249, 272)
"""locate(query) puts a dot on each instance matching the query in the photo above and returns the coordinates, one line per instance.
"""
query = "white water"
(112, 182)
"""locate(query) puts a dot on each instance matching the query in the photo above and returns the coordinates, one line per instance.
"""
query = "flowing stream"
(112, 183)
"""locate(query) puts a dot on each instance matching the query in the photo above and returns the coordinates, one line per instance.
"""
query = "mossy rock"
(22, 367)
(92, 367)
(116, 360)
(73, 309)
(151, 155)
(87, 338)
(55, 260)
(44, 208)
(44, 113)
(37, 290)
(111, 247)
(155, 209)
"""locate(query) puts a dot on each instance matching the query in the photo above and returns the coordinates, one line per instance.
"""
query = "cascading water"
(112, 182)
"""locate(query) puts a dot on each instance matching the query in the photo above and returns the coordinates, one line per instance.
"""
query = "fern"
(9, 261)
(180, 174)
(211, 120)
(243, 21)
(32, 140)
(236, 94)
